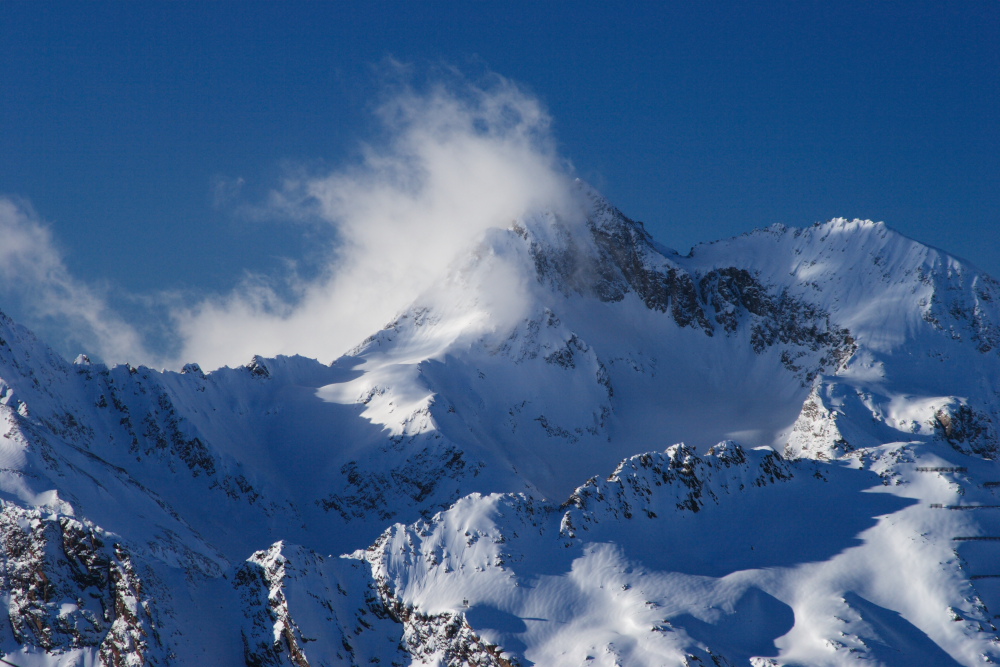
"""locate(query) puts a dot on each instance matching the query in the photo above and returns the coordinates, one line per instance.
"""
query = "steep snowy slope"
(600, 347)
(183, 474)
(735, 557)
(616, 348)
(198, 518)
(927, 328)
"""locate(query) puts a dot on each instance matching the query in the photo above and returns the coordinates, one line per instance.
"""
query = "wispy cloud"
(456, 159)
(459, 159)
(34, 280)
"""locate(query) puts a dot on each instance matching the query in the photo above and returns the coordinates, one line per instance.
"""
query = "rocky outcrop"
(816, 433)
(963, 305)
(72, 587)
(623, 259)
(838, 419)
(302, 609)
(271, 636)
(444, 639)
(413, 470)
(652, 484)
(967, 430)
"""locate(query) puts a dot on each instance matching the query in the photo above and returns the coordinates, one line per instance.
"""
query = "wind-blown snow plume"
(460, 159)
(34, 280)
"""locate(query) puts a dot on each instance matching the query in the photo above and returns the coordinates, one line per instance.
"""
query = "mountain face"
(497, 476)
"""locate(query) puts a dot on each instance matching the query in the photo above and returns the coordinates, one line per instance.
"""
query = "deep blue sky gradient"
(702, 119)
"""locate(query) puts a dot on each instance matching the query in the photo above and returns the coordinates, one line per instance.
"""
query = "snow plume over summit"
(459, 160)
(454, 160)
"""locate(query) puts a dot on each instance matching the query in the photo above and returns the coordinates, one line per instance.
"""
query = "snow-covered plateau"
(579, 448)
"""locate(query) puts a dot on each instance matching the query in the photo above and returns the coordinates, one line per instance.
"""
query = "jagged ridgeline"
(495, 478)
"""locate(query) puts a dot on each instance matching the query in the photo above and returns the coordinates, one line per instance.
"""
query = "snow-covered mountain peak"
(501, 461)
(883, 286)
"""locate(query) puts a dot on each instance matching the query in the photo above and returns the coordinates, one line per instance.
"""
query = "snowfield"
(579, 448)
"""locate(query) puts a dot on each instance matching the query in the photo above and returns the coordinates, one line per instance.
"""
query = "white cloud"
(457, 160)
(460, 159)
(35, 282)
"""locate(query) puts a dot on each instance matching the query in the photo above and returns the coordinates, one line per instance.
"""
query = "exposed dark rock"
(71, 587)
(967, 430)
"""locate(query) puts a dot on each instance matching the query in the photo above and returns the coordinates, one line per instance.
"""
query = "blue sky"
(146, 136)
